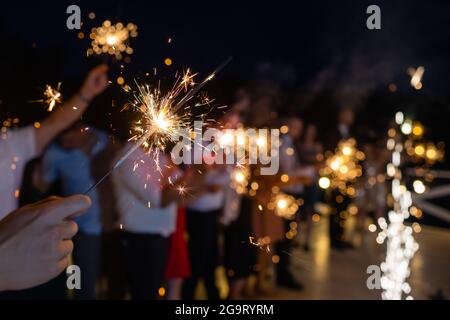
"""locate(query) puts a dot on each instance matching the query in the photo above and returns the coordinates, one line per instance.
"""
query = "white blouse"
(138, 187)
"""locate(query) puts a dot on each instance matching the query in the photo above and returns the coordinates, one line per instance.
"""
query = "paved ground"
(330, 274)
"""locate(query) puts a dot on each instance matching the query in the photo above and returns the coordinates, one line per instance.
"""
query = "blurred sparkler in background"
(342, 168)
(112, 39)
(283, 205)
(416, 77)
(52, 97)
(240, 178)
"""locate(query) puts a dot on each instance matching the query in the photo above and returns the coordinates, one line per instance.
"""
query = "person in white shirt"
(17, 147)
(147, 204)
(18, 232)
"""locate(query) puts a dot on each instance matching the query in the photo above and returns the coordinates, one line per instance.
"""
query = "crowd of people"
(140, 237)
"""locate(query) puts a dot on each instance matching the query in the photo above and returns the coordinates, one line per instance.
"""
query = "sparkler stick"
(120, 161)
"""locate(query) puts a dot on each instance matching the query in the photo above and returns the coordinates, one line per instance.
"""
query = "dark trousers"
(86, 255)
(55, 289)
(145, 263)
(203, 252)
(283, 250)
(113, 266)
(336, 229)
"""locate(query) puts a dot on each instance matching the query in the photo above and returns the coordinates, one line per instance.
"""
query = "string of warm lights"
(404, 141)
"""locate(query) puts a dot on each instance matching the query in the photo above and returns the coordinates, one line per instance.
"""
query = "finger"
(64, 249)
(17, 220)
(20, 218)
(64, 208)
(98, 70)
(59, 267)
(68, 229)
(48, 199)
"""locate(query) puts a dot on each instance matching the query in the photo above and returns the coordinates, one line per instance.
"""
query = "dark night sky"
(310, 46)
(303, 39)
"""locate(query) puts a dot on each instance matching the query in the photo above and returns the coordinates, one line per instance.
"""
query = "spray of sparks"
(240, 179)
(283, 205)
(262, 243)
(52, 97)
(112, 39)
(159, 121)
(165, 117)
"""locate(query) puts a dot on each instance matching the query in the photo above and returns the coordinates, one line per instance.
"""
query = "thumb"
(98, 70)
(65, 208)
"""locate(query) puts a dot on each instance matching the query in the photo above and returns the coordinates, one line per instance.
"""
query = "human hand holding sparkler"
(60, 119)
(35, 241)
(95, 83)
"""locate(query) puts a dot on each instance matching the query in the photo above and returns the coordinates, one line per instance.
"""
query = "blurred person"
(240, 256)
(112, 273)
(19, 146)
(69, 161)
(310, 153)
(268, 230)
(147, 199)
(342, 131)
(371, 199)
(290, 165)
(31, 183)
(203, 234)
(178, 262)
(35, 241)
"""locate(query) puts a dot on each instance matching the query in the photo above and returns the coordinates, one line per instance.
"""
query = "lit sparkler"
(415, 145)
(164, 116)
(416, 77)
(112, 39)
(342, 168)
(240, 178)
(52, 97)
(263, 243)
(283, 205)
(160, 121)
